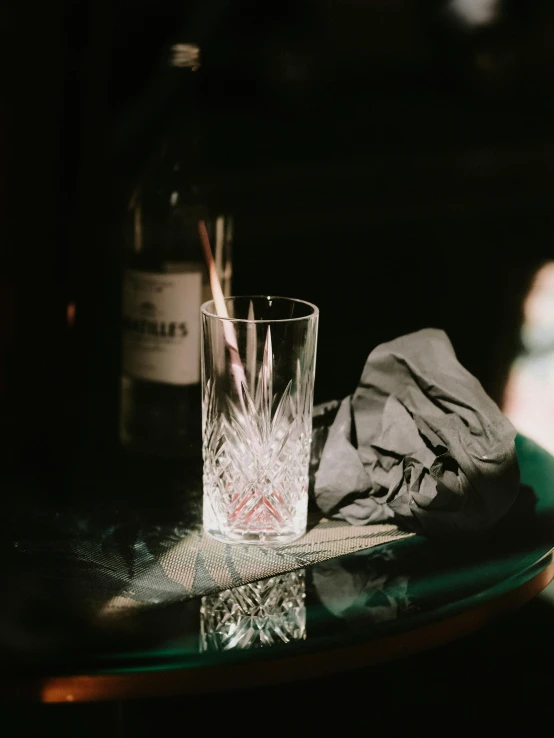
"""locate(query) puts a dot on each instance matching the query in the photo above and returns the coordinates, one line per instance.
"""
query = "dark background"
(389, 161)
(383, 158)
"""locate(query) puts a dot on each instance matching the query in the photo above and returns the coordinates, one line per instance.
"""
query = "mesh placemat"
(200, 565)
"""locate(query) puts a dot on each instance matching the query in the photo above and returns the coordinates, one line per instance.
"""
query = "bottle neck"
(177, 134)
(185, 85)
(183, 65)
(173, 160)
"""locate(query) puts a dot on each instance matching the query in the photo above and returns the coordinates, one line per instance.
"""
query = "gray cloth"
(419, 443)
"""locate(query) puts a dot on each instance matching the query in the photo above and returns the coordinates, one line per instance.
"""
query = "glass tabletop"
(56, 623)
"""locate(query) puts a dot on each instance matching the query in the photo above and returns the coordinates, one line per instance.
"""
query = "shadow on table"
(64, 561)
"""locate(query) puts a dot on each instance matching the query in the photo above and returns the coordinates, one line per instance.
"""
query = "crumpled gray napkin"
(419, 443)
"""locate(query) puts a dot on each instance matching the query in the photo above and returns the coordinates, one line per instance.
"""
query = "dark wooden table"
(376, 606)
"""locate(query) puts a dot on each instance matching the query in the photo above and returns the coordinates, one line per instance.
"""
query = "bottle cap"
(185, 55)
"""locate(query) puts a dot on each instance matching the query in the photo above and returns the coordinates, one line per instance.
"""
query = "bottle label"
(161, 325)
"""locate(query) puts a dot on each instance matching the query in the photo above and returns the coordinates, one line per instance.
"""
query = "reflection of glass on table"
(263, 613)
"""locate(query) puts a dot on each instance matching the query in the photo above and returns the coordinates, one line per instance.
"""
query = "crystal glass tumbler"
(258, 371)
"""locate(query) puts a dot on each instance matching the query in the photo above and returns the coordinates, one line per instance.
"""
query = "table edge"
(280, 670)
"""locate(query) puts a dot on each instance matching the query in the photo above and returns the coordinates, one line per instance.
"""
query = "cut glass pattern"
(264, 613)
(256, 449)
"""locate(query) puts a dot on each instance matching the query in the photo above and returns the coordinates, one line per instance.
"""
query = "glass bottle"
(165, 280)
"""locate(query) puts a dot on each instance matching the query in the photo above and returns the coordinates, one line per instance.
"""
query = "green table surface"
(56, 643)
